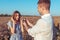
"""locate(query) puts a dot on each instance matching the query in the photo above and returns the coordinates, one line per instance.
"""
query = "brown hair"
(47, 2)
(14, 15)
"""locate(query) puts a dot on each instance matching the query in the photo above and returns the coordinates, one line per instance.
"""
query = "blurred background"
(28, 10)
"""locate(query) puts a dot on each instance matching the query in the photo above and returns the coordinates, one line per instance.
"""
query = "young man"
(43, 29)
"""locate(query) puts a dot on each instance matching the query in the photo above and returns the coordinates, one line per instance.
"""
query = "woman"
(15, 25)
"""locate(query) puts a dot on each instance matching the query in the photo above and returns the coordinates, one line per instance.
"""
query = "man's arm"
(32, 31)
(30, 24)
(39, 27)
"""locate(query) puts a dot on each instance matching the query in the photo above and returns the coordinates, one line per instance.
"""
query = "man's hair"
(46, 2)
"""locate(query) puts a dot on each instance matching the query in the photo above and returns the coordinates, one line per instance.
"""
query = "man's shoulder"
(41, 21)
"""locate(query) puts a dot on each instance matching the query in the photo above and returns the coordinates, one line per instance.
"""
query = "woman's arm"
(12, 30)
(22, 26)
(25, 25)
(11, 25)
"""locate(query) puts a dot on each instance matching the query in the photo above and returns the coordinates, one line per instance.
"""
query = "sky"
(27, 7)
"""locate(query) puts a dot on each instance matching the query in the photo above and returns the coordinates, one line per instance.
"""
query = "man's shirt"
(43, 29)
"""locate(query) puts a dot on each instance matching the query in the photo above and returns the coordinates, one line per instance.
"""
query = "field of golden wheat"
(32, 19)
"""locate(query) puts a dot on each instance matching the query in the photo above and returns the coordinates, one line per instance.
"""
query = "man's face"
(41, 8)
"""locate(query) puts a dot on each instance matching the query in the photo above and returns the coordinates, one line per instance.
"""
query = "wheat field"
(32, 19)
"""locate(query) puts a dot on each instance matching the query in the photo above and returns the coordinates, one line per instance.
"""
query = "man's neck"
(45, 12)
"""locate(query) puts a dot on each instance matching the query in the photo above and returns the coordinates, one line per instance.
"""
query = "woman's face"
(16, 16)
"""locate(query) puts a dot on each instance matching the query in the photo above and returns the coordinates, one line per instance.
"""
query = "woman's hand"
(12, 30)
(12, 20)
(22, 29)
(13, 27)
(25, 25)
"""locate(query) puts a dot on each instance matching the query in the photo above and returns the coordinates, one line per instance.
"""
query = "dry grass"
(32, 19)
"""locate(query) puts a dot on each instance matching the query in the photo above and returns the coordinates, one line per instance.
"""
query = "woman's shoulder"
(9, 23)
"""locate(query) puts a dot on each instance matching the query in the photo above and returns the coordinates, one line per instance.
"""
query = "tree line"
(4, 15)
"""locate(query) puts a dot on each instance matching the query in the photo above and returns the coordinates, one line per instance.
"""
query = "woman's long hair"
(14, 16)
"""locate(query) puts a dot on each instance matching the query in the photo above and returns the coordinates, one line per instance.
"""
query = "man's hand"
(29, 23)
